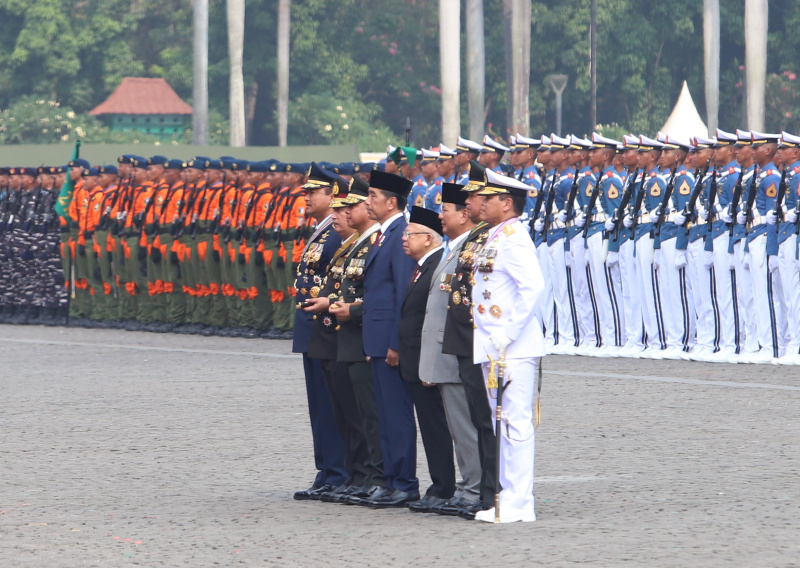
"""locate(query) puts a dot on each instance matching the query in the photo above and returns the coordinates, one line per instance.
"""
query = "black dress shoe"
(395, 499)
(333, 496)
(313, 493)
(426, 504)
(469, 512)
(451, 507)
(367, 493)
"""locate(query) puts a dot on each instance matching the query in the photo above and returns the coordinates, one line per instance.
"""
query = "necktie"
(446, 248)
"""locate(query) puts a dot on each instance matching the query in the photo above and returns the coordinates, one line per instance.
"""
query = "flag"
(407, 151)
(65, 195)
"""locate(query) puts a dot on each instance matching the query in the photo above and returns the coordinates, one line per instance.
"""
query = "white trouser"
(561, 278)
(584, 306)
(648, 294)
(606, 289)
(770, 318)
(631, 300)
(748, 339)
(547, 315)
(790, 282)
(703, 292)
(678, 317)
(518, 434)
(724, 278)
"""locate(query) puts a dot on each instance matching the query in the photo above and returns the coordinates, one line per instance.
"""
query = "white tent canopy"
(685, 121)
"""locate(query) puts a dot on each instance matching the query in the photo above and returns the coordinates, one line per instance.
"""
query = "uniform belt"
(558, 225)
(88, 234)
(599, 217)
(757, 220)
(700, 221)
(644, 218)
(671, 217)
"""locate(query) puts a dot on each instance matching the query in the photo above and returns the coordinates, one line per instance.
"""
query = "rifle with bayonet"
(781, 195)
(573, 193)
(537, 207)
(548, 206)
(751, 199)
(184, 207)
(627, 193)
(587, 213)
(712, 196)
(637, 205)
(688, 209)
(733, 206)
(662, 210)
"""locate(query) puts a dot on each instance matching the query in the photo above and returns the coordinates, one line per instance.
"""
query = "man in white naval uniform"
(507, 285)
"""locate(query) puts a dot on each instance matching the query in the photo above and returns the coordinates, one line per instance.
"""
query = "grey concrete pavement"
(123, 449)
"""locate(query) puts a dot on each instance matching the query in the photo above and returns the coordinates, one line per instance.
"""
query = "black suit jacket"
(458, 328)
(350, 343)
(412, 316)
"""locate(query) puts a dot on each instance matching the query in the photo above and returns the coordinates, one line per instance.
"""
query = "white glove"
(741, 218)
(561, 217)
(708, 259)
(656, 212)
(657, 256)
(725, 217)
(609, 225)
(771, 217)
(797, 262)
(746, 261)
(790, 216)
(679, 219)
(702, 212)
(627, 220)
(568, 258)
(538, 225)
(500, 341)
(772, 263)
(580, 219)
(612, 258)
(680, 258)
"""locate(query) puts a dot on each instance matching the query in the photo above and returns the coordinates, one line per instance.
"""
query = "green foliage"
(379, 60)
(783, 102)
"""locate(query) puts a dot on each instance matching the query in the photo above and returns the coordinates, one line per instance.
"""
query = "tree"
(284, 11)
(235, 48)
(200, 86)
(450, 68)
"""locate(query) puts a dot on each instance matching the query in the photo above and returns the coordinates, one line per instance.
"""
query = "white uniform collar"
(385, 225)
(430, 252)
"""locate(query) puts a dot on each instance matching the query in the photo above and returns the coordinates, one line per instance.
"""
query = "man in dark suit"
(386, 276)
(347, 308)
(422, 241)
(328, 444)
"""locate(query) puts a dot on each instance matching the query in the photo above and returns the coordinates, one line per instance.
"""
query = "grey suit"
(440, 368)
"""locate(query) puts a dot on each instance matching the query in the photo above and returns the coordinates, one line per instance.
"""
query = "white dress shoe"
(672, 353)
(695, 354)
(721, 357)
(787, 360)
(762, 357)
(506, 517)
(630, 352)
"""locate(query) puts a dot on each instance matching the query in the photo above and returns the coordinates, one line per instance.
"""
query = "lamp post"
(558, 83)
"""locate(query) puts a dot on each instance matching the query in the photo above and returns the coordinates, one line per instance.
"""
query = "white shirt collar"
(430, 252)
(389, 221)
(456, 243)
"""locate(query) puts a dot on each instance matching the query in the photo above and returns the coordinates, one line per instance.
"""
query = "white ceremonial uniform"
(507, 287)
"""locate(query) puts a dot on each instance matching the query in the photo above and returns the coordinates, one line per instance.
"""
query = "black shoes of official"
(451, 507)
(426, 504)
(313, 493)
(392, 500)
(469, 511)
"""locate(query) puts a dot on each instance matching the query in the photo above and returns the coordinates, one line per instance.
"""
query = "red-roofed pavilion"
(146, 105)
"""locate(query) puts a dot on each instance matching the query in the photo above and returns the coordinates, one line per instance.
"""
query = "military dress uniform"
(507, 284)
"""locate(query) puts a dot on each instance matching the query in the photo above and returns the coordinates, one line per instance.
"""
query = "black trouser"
(435, 438)
(364, 392)
(481, 414)
(348, 421)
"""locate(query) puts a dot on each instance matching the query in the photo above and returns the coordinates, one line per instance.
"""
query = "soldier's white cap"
(661, 137)
(445, 153)
(789, 140)
(498, 184)
(558, 143)
(576, 143)
(630, 142)
(725, 138)
(760, 138)
(671, 143)
(464, 145)
(599, 141)
(490, 145)
(429, 155)
(648, 144)
(704, 143)
(390, 149)
(545, 144)
(744, 138)
(525, 142)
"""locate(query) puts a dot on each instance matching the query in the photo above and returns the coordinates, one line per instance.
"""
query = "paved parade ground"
(122, 449)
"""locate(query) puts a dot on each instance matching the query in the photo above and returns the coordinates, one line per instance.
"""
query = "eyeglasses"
(409, 233)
